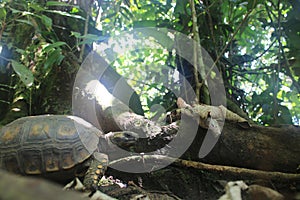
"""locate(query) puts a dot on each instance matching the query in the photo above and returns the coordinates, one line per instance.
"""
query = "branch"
(86, 28)
(195, 50)
(235, 171)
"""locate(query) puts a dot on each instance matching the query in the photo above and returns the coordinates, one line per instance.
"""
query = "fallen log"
(257, 147)
(253, 146)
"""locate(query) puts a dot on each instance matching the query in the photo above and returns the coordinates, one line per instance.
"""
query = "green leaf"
(55, 57)
(46, 21)
(15, 10)
(23, 72)
(106, 20)
(75, 10)
(56, 3)
(53, 46)
(180, 7)
(20, 51)
(75, 34)
(2, 13)
(36, 7)
(285, 116)
(65, 14)
(89, 38)
(25, 22)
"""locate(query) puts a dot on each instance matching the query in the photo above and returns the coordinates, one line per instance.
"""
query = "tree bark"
(257, 147)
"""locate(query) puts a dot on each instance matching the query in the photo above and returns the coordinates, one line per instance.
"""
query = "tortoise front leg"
(95, 171)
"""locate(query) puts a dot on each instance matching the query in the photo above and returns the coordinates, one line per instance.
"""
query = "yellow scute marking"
(38, 129)
(66, 130)
(68, 162)
(32, 171)
(51, 163)
(10, 134)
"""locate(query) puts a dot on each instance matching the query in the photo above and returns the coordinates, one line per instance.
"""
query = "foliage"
(31, 31)
(262, 70)
(255, 45)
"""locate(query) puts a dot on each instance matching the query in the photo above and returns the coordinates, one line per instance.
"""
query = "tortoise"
(57, 147)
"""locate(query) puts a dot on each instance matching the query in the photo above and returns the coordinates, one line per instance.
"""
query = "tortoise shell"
(55, 146)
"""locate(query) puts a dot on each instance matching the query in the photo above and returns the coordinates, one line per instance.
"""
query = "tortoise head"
(126, 140)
